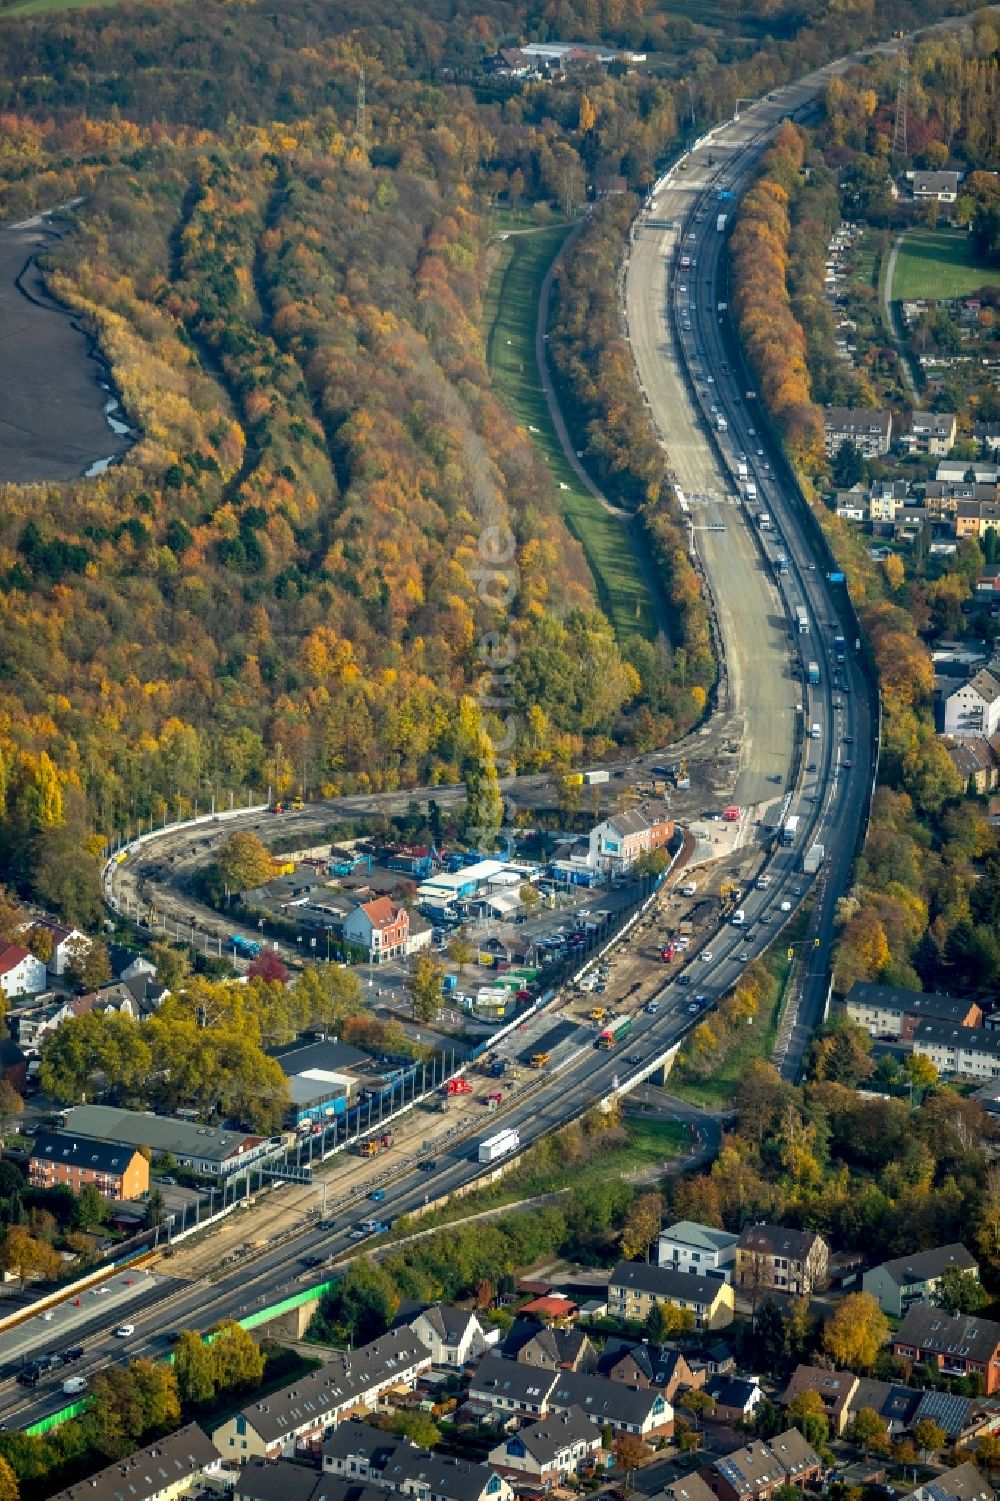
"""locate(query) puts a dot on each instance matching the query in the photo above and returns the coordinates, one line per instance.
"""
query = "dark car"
(327, 1225)
(428, 1165)
(312, 1261)
(75, 1352)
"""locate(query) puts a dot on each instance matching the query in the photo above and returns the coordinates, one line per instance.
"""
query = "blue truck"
(246, 948)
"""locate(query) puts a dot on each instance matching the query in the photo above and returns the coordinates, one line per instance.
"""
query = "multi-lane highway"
(687, 367)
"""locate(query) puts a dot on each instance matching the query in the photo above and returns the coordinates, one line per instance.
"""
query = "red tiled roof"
(11, 957)
(382, 912)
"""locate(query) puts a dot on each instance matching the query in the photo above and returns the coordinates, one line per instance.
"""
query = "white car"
(124, 1331)
(707, 956)
(786, 906)
(653, 1008)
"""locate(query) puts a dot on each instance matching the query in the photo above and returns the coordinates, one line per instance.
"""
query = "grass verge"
(938, 263)
(510, 312)
(649, 1144)
(717, 1089)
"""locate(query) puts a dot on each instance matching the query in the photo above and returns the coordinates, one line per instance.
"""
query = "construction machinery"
(457, 1086)
(375, 1144)
(539, 1060)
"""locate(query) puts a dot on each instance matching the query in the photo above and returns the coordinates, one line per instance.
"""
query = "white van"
(815, 732)
(689, 889)
(739, 918)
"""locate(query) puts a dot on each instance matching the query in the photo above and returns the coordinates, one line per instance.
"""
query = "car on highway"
(327, 1225)
(71, 1353)
(377, 1195)
(694, 1008)
(848, 739)
(311, 1261)
(796, 891)
(847, 765)
(634, 1059)
(684, 979)
(428, 1165)
(701, 1000)
(653, 1008)
(786, 906)
(124, 1331)
(707, 956)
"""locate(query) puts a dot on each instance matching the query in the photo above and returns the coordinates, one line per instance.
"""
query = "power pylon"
(899, 145)
(361, 115)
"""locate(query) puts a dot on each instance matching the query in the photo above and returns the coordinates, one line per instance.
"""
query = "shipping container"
(594, 778)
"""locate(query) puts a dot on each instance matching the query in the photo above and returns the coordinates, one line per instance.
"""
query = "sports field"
(510, 312)
(938, 263)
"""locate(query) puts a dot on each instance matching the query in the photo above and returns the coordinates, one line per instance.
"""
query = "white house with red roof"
(20, 972)
(380, 927)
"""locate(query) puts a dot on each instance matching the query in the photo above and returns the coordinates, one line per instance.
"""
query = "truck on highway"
(595, 778)
(790, 829)
(750, 491)
(813, 672)
(720, 223)
(721, 424)
(813, 858)
(802, 619)
(742, 471)
(840, 647)
(73, 1385)
(782, 563)
(499, 1145)
(815, 732)
(246, 948)
(615, 1032)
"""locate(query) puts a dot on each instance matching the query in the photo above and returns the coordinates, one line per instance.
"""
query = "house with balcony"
(60, 1159)
(959, 1344)
(905, 1280)
(544, 1454)
(834, 1389)
(930, 433)
(635, 1289)
(973, 710)
(893, 1011)
(689, 1247)
(869, 429)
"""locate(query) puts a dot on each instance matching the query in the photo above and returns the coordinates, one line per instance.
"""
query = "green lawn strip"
(756, 1041)
(650, 1144)
(938, 263)
(510, 309)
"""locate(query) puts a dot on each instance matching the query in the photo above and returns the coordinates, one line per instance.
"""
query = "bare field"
(52, 406)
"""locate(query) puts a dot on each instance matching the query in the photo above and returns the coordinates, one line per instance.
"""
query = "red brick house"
(380, 927)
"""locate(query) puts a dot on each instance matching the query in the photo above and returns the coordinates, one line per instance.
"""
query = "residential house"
(686, 1488)
(976, 762)
(617, 843)
(788, 1261)
(511, 1389)
(62, 1159)
(511, 62)
(711, 1358)
(128, 964)
(639, 1363)
(551, 1349)
(349, 1384)
(948, 1411)
(13, 1064)
(754, 1472)
(974, 518)
(357, 1451)
(65, 941)
(635, 1289)
(987, 433)
(285, 1480)
(988, 582)
(912, 1279)
(206, 1150)
(884, 508)
(834, 1389)
(895, 1404)
(868, 428)
(735, 1397)
(20, 972)
(543, 1454)
(171, 1467)
(380, 927)
(956, 1344)
(893, 1011)
(966, 1052)
(931, 433)
(701, 1249)
(974, 708)
(625, 1409)
(942, 187)
(963, 1483)
(454, 1336)
(386, 1463)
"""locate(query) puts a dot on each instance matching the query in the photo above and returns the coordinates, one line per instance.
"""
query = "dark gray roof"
(935, 1005)
(962, 1039)
(665, 1282)
(602, 1400)
(778, 1240)
(332, 1057)
(546, 1439)
(731, 1391)
(926, 1265)
(440, 1475)
(497, 1377)
(356, 1439)
(853, 420)
(448, 1322)
(278, 1480)
(927, 1327)
(110, 1157)
(181, 1456)
(334, 1385)
(658, 1363)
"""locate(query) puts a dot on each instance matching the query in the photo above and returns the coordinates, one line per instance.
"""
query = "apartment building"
(893, 1011)
(868, 428)
(635, 1289)
(61, 1160)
